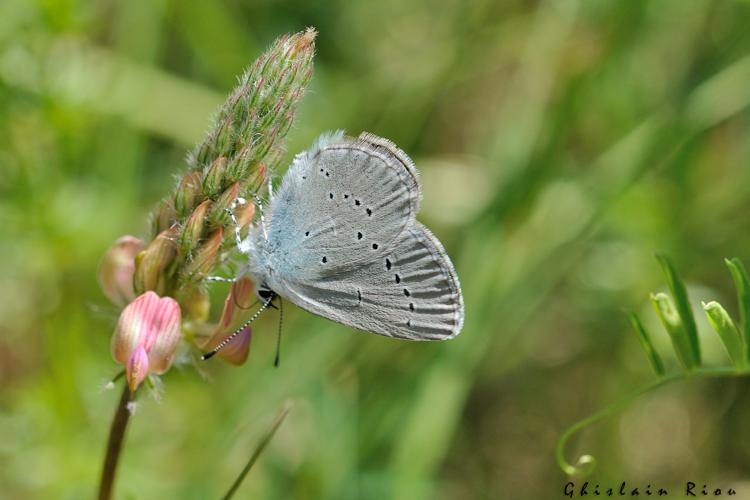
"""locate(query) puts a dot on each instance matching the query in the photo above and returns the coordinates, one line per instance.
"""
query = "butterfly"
(340, 239)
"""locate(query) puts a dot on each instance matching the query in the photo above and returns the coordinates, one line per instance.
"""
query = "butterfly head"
(265, 293)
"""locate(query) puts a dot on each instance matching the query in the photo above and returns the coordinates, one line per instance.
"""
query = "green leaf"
(645, 340)
(672, 322)
(742, 284)
(682, 304)
(725, 327)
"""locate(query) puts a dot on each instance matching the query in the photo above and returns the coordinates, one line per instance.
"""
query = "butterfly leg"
(220, 279)
(259, 204)
(237, 238)
(270, 189)
(230, 211)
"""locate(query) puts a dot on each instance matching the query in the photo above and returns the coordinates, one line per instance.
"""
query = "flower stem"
(114, 445)
(586, 463)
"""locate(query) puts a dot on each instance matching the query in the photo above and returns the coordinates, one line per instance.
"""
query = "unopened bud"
(164, 217)
(151, 263)
(187, 193)
(236, 309)
(192, 231)
(214, 177)
(245, 214)
(205, 259)
(116, 270)
(195, 303)
(225, 202)
(237, 350)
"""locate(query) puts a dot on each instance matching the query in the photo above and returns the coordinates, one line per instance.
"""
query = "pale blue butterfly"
(341, 240)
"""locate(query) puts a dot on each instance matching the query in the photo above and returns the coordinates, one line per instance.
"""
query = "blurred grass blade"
(259, 449)
(645, 339)
(742, 284)
(725, 327)
(672, 322)
(682, 304)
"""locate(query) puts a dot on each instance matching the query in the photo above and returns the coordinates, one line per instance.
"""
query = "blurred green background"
(561, 143)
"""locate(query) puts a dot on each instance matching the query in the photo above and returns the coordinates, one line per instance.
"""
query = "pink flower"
(146, 336)
(116, 270)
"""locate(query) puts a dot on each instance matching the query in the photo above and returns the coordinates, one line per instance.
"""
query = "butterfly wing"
(343, 243)
(343, 202)
(410, 292)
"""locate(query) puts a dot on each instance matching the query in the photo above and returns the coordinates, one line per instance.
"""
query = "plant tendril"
(586, 464)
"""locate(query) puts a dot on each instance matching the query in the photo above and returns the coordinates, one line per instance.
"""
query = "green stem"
(114, 445)
(586, 463)
(259, 449)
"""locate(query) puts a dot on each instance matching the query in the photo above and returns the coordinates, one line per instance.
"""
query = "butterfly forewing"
(343, 203)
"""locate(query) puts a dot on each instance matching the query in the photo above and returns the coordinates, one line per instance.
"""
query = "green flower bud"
(151, 263)
(205, 258)
(192, 231)
(255, 118)
(219, 215)
(213, 179)
(188, 193)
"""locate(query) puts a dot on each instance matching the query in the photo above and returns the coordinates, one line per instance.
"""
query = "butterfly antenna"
(227, 340)
(278, 336)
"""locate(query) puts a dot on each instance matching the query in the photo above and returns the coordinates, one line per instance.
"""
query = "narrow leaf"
(682, 304)
(725, 327)
(645, 339)
(742, 284)
(672, 322)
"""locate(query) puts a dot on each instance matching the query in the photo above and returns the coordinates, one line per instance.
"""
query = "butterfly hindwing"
(411, 292)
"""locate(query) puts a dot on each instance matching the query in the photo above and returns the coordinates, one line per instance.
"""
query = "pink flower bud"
(237, 302)
(237, 350)
(146, 336)
(245, 214)
(150, 264)
(236, 307)
(116, 270)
